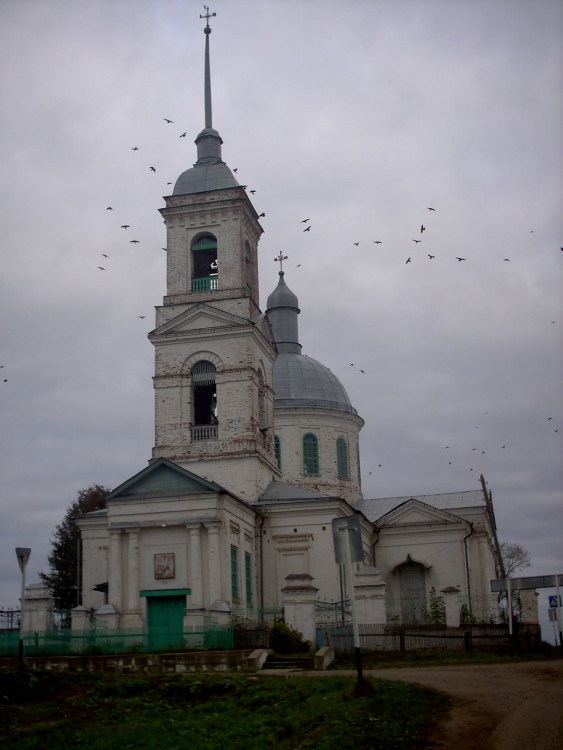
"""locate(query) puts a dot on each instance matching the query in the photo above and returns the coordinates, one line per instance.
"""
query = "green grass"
(212, 712)
(438, 657)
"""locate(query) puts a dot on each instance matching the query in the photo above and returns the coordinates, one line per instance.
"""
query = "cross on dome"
(280, 259)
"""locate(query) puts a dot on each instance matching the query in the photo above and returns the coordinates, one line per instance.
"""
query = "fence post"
(467, 640)
(402, 639)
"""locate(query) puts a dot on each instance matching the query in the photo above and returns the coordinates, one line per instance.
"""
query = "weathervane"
(280, 259)
(207, 16)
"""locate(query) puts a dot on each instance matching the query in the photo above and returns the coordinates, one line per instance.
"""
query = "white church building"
(256, 452)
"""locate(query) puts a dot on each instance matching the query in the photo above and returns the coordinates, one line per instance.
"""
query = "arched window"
(342, 462)
(277, 450)
(204, 401)
(205, 276)
(310, 455)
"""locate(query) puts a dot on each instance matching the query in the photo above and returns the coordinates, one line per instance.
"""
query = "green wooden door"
(165, 619)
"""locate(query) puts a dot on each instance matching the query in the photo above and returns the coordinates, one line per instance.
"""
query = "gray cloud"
(357, 115)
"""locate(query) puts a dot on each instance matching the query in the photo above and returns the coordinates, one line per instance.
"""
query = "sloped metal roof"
(450, 501)
(283, 491)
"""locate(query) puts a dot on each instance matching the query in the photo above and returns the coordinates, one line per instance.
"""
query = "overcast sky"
(359, 115)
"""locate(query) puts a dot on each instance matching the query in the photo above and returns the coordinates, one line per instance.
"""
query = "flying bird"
(165, 249)
(377, 242)
(431, 256)
(152, 169)
(109, 208)
(134, 148)
(307, 229)
(422, 228)
(417, 241)
(408, 261)
(431, 209)
(170, 122)
(261, 215)
(183, 135)
(356, 244)
(135, 242)
(142, 317)
(105, 256)
(101, 268)
(125, 226)
(507, 259)
(235, 169)
(460, 259)
(363, 371)
(252, 192)
(304, 221)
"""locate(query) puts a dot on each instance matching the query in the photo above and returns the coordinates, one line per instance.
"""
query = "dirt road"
(495, 707)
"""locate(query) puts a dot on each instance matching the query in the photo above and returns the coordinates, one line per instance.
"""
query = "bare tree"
(515, 557)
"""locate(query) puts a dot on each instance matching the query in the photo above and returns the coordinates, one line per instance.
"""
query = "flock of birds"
(419, 240)
(463, 451)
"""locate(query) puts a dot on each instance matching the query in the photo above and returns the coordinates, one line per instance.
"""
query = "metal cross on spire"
(207, 15)
(280, 259)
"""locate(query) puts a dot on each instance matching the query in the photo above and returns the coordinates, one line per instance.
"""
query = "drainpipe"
(261, 565)
(467, 578)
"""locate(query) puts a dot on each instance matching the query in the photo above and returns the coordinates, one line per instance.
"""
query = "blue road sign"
(553, 601)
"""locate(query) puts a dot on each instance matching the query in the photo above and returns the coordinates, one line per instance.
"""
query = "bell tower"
(214, 350)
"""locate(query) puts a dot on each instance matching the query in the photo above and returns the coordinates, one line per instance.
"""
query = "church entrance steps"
(292, 662)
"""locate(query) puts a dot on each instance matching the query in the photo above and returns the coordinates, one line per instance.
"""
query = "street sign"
(552, 614)
(529, 582)
(23, 554)
(350, 526)
(554, 601)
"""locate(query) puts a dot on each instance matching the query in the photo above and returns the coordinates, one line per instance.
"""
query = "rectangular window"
(234, 572)
(248, 577)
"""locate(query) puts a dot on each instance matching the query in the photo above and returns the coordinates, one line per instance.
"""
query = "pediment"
(201, 317)
(414, 512)
(163, 478)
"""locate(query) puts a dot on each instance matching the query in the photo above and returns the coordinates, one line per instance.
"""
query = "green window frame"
(234, 572)
(248, 577)
(277, 450)
(342, 459)
(310, 455)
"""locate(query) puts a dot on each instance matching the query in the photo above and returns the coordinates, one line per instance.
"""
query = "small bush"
(286, 640)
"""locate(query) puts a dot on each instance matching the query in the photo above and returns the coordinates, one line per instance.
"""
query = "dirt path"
(495, 707)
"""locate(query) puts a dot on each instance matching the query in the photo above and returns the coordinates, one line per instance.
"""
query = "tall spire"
(207, 32)
(208, 141)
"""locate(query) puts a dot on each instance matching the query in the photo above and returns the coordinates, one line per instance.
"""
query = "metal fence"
(9, 619)
(404, 638)
(129, 640)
